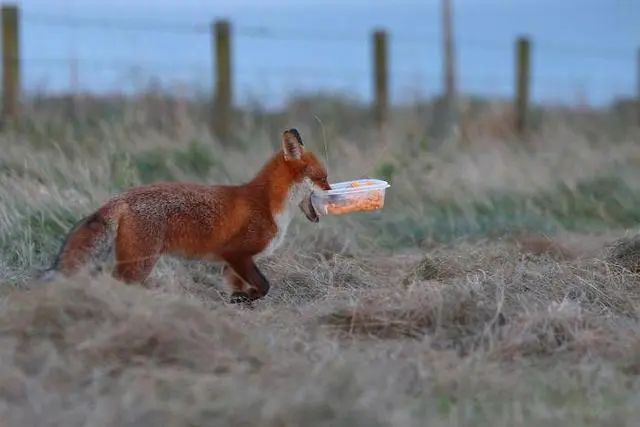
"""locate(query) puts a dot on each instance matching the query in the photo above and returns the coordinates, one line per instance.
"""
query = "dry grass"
(490, 291)
(532, 338)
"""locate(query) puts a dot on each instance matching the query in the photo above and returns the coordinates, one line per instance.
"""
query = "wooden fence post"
(222, 113)
(380, 78)
(448, 49)
(523, 80)
(638, 88)
(10, 63)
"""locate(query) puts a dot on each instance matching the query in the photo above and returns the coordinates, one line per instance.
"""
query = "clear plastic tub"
(361, 195)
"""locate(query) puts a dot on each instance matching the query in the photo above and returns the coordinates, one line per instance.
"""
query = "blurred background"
(582, 53)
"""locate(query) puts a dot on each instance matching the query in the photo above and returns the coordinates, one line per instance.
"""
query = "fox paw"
(240, 298)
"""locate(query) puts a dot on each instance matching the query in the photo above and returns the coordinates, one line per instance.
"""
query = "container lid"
(345, 187)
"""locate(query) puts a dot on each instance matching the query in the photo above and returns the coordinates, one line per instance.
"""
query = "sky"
(583, 50)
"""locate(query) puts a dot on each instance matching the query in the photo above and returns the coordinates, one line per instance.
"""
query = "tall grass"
(486, 292)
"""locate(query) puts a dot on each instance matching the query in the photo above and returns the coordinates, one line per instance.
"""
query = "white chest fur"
(283, 218)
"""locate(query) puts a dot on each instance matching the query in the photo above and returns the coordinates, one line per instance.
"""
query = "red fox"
(228, 223)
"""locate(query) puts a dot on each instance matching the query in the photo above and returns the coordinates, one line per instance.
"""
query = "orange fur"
(232, 223)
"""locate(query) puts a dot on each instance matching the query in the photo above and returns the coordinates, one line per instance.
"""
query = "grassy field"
(498, 286)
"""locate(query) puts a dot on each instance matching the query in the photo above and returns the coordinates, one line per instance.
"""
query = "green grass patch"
(592, 205)
(157, 164)
(36, 236)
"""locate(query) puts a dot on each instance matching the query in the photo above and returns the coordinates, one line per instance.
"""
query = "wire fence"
(299, 34)
(66, 54)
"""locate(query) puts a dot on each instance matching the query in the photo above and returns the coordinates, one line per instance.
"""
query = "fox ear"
(292, 144)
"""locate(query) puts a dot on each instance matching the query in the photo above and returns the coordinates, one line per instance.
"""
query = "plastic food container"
(361, 195)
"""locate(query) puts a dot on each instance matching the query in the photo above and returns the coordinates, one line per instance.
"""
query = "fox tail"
(89, 241)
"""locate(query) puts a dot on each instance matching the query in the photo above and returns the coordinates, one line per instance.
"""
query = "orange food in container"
(362, 195)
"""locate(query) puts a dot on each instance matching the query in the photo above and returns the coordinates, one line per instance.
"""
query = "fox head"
(305, 166)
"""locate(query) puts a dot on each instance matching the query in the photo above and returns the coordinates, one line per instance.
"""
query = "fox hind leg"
(132, 267)
(135, 256)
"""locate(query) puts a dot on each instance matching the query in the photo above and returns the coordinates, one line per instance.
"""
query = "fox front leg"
(247, 271)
